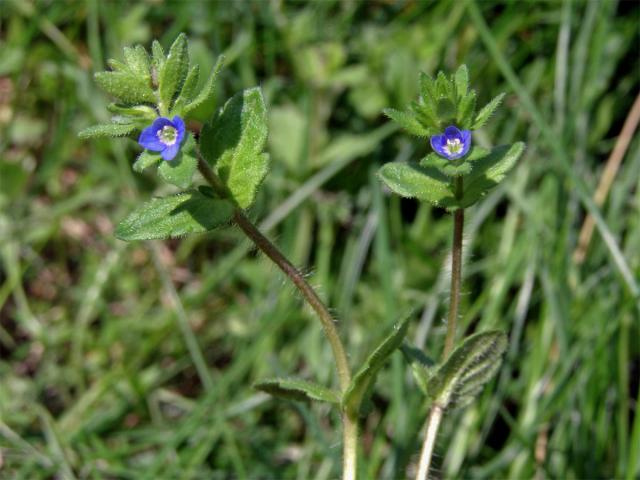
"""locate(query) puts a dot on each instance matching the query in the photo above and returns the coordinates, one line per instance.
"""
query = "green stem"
(456, 280)
(350, 426)
(435, 415)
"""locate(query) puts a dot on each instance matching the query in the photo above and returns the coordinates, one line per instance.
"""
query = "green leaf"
(138, 112)
(146, 159)
(157, 56)
(489, 169)
(208, 92)
(451, 168)
(117, 66)
(486, 112)
(469, 367)
(178, 215)
(138, 61)
(363, 381)
(427, 88)
(129, 88)
(413, 181)
(466, 111)
(233, 141)
(179, 171)
(107, 130)
(174, 71)
(295, 389)
(406, 121)
(461, 80)
(421, 366)
(188, 91)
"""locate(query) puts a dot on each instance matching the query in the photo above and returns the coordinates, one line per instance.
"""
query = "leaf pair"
(481, 171)
(355, 398)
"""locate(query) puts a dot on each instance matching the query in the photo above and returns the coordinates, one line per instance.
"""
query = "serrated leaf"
(157, 55)
(421, 366)
(117, 66)
(233, 141)
(487, 111)
(466, 111)
(489, 169)
(188, 91)
(363, 381)
(208, 92)
(179, 171)
(444, 88)
(467, 369)
(461, 80)
(137, 60)
(413, 181)
(129, 88)
(146, 159)
(138, 112)
(451, 168)
(296, 389)
(406, 121)
(427, 88)
(107, 130)
(174, 71)
(427, 116)
(175, 216)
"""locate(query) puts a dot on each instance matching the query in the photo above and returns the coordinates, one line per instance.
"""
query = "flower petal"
(452, 133)
(149, 136)
(178, 123)
(170, 152)
(438, 142)
(149, 139)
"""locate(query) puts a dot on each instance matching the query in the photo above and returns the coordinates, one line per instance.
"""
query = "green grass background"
(135, 361)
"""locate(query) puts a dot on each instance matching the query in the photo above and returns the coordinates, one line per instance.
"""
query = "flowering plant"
(455, 176)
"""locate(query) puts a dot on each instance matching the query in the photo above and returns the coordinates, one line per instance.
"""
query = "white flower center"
(453, 146)
(168, 135)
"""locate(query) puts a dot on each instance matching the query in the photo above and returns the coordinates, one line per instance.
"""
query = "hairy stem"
(456, 280)
(435, 415)
(430, 433)
(350, 426)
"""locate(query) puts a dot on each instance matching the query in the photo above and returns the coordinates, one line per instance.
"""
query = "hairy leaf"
(207, 94)
(461, 79)
(146, 159)
(126, 86)
(188, 91)
(107, 130)
(413, 181)
(468, 369)
(406, 121)
(296, 389)
(169, 217)
(137, 112)
(466, 111)
(363, 381)
(489, 169)
(233, 141)
(487, 111)
(451, 168)
(174, 71)
(138, 61)
(421, 366)
(180, 170)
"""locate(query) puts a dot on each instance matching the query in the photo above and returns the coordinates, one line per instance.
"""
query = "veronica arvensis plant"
(455, 176)
(156, 98)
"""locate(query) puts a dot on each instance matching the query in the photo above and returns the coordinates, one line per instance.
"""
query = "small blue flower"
(164, 136)
(452, 144)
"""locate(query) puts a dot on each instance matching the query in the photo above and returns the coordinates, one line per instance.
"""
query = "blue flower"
(164, 136)
(452, 144)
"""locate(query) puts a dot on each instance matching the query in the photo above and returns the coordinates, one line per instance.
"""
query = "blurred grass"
(135, 361)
